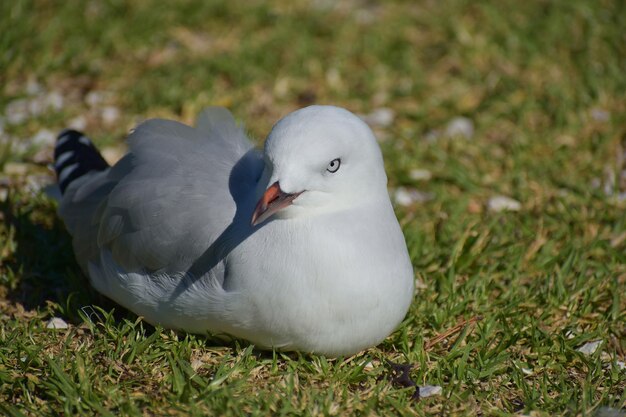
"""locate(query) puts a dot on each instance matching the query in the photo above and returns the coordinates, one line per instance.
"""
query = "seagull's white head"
(319, 159)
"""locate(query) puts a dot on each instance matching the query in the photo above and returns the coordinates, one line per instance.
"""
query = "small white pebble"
(54, 100)
(56, 323)
(93, 98)
(36, 105)
(110, 115)
(621, 365)
(420, 285)
(78, 123)
(381, 117)
(20, 110)
(590, 347)
(430, 390)
(501, 203)
(18, 146)
(16, 111)
(408, 196)
(43, 156)
(196, 364)
(600, 115)
(333, 78)
(403, 197)
(43, 137)
(527, 371)
(460, 126)
(420, 175)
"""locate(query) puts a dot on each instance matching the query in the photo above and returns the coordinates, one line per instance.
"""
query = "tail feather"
(74, 156)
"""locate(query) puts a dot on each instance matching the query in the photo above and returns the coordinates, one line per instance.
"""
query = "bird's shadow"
(39, 270)
(38, 267)
(242, 183)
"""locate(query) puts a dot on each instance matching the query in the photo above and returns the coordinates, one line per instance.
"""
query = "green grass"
(545, 280)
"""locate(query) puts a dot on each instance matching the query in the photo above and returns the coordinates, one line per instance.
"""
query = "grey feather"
(129, 208)
(217, 120)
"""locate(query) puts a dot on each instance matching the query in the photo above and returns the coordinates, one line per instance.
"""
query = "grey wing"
(163, 204)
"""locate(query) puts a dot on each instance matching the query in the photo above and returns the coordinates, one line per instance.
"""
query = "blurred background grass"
(537, 92)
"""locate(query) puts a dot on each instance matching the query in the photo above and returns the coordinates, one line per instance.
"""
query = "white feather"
(62, 158)
(84, 140)
(67, 171)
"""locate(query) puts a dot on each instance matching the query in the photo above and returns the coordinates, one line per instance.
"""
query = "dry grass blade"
(451, 331)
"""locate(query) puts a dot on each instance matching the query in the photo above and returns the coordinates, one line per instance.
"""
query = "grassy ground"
(543, 84)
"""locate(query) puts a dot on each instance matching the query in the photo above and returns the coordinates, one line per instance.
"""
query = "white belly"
(314, 292)
(288, 286)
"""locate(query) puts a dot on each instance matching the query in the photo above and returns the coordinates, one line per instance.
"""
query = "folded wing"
(164, 203)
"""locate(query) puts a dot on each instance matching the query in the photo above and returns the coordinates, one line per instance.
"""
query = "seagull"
(294, 248)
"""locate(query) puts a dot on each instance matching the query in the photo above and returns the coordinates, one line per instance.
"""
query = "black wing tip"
(74, 156)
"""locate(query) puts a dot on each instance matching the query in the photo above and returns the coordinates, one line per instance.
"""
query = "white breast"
(320, 285)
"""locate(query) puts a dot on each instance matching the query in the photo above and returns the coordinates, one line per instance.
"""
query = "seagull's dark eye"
(333, 165)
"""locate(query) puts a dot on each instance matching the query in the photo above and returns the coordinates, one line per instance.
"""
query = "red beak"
(273, 199)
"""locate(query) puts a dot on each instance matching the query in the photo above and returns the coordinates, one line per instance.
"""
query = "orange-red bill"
(273, 200)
